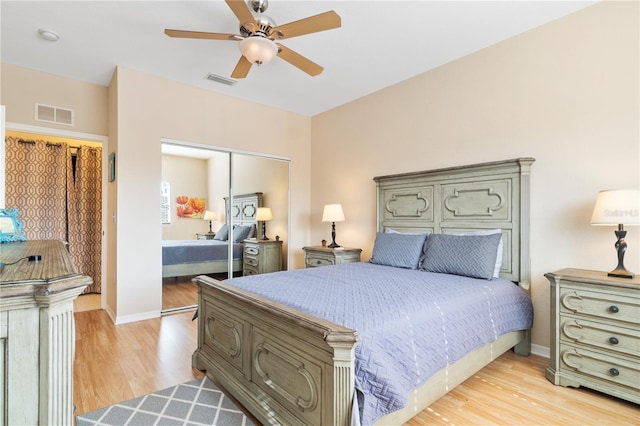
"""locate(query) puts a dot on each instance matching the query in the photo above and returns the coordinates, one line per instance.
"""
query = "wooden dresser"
(323, 256)
(37, 333)
(261, 256)
(595, 332)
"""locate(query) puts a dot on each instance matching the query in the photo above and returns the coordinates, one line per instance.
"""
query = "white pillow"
(496, 270)
(388, 230)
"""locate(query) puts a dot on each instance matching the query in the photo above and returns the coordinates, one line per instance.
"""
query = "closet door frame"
(232, 152)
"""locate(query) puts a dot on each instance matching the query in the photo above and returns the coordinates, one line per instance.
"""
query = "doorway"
(53, 137)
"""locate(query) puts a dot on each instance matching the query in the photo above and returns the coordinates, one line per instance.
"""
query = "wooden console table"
(37, 332)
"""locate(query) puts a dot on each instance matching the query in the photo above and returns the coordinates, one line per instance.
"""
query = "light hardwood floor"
(178, 293)
(116, 363)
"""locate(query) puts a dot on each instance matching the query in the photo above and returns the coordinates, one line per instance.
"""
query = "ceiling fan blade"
(202, 35)
(243, 13)
(242, 68)
(299, 61)
(312, 24)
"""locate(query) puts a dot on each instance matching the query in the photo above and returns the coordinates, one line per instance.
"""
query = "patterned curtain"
(85, 236)
(40, 184)
(37, 178)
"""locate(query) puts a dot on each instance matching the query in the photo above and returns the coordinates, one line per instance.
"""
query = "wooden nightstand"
(205, 235)
(324, 256)
(595, 332)
(261, 256)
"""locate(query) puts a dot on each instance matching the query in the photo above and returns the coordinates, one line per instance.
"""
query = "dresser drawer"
(609, 306)
(625, 341)
(603, 368)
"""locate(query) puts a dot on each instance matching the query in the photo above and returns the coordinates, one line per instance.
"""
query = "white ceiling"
(379, 44)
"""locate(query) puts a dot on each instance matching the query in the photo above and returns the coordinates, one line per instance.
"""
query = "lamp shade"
(264, 214)
(258, 49)
(332, 213)
(209, 215)
(615, 207)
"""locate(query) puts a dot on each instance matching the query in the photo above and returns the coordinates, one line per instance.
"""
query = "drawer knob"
(614, 309)
(613, 340)
(614, 371)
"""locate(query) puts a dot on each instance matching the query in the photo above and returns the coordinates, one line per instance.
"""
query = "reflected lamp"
(264, 215)
(210, 216)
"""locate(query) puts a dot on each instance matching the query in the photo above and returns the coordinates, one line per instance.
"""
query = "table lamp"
(210, 216)
(618, 207)
(333, 213)
(263, 215)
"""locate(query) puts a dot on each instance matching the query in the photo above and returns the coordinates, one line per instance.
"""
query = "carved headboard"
(244, 208)
(462, 199)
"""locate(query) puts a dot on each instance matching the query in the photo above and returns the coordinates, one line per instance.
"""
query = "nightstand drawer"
(251, 250)
(600, 367)
(248, 270)
(625, 341)
(205, 235)
(319, 260)
(326, 256)
(250, 261)
(610, 306)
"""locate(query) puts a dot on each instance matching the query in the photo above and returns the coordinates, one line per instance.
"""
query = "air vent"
(220, 79)
(53, 114)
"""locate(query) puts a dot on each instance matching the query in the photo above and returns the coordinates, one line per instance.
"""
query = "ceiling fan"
(259, 33)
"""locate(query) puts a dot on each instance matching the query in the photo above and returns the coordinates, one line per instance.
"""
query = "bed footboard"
(284, 366)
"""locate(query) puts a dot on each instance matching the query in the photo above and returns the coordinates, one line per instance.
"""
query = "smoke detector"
(48, 35)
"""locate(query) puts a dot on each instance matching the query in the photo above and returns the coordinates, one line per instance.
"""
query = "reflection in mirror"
(195, 184)
(269, 176)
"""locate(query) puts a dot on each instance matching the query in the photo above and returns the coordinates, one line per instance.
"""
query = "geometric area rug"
(198, 402)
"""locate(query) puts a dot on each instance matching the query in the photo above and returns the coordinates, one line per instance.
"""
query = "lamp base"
(621, 273)
(264, 232)
(333, 236)
(621, 248)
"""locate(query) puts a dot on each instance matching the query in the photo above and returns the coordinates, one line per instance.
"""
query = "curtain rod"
(91, 148)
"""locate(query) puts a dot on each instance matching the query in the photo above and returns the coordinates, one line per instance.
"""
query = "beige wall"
(150, 108)
(565, 93)
(21, 88)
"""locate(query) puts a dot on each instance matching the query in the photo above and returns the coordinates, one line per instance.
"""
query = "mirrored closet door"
(211, 202)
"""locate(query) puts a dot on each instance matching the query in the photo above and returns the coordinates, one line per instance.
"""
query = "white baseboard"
(542, 351)
(123, 319)
(110, 312)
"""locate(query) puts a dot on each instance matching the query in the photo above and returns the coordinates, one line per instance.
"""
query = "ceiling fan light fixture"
(258, 49)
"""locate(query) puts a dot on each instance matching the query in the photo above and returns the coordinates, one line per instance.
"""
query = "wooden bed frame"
(243, 212)
(287, 367)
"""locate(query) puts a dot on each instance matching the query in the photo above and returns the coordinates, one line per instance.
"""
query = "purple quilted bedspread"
(412, 323)
(175, 252)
